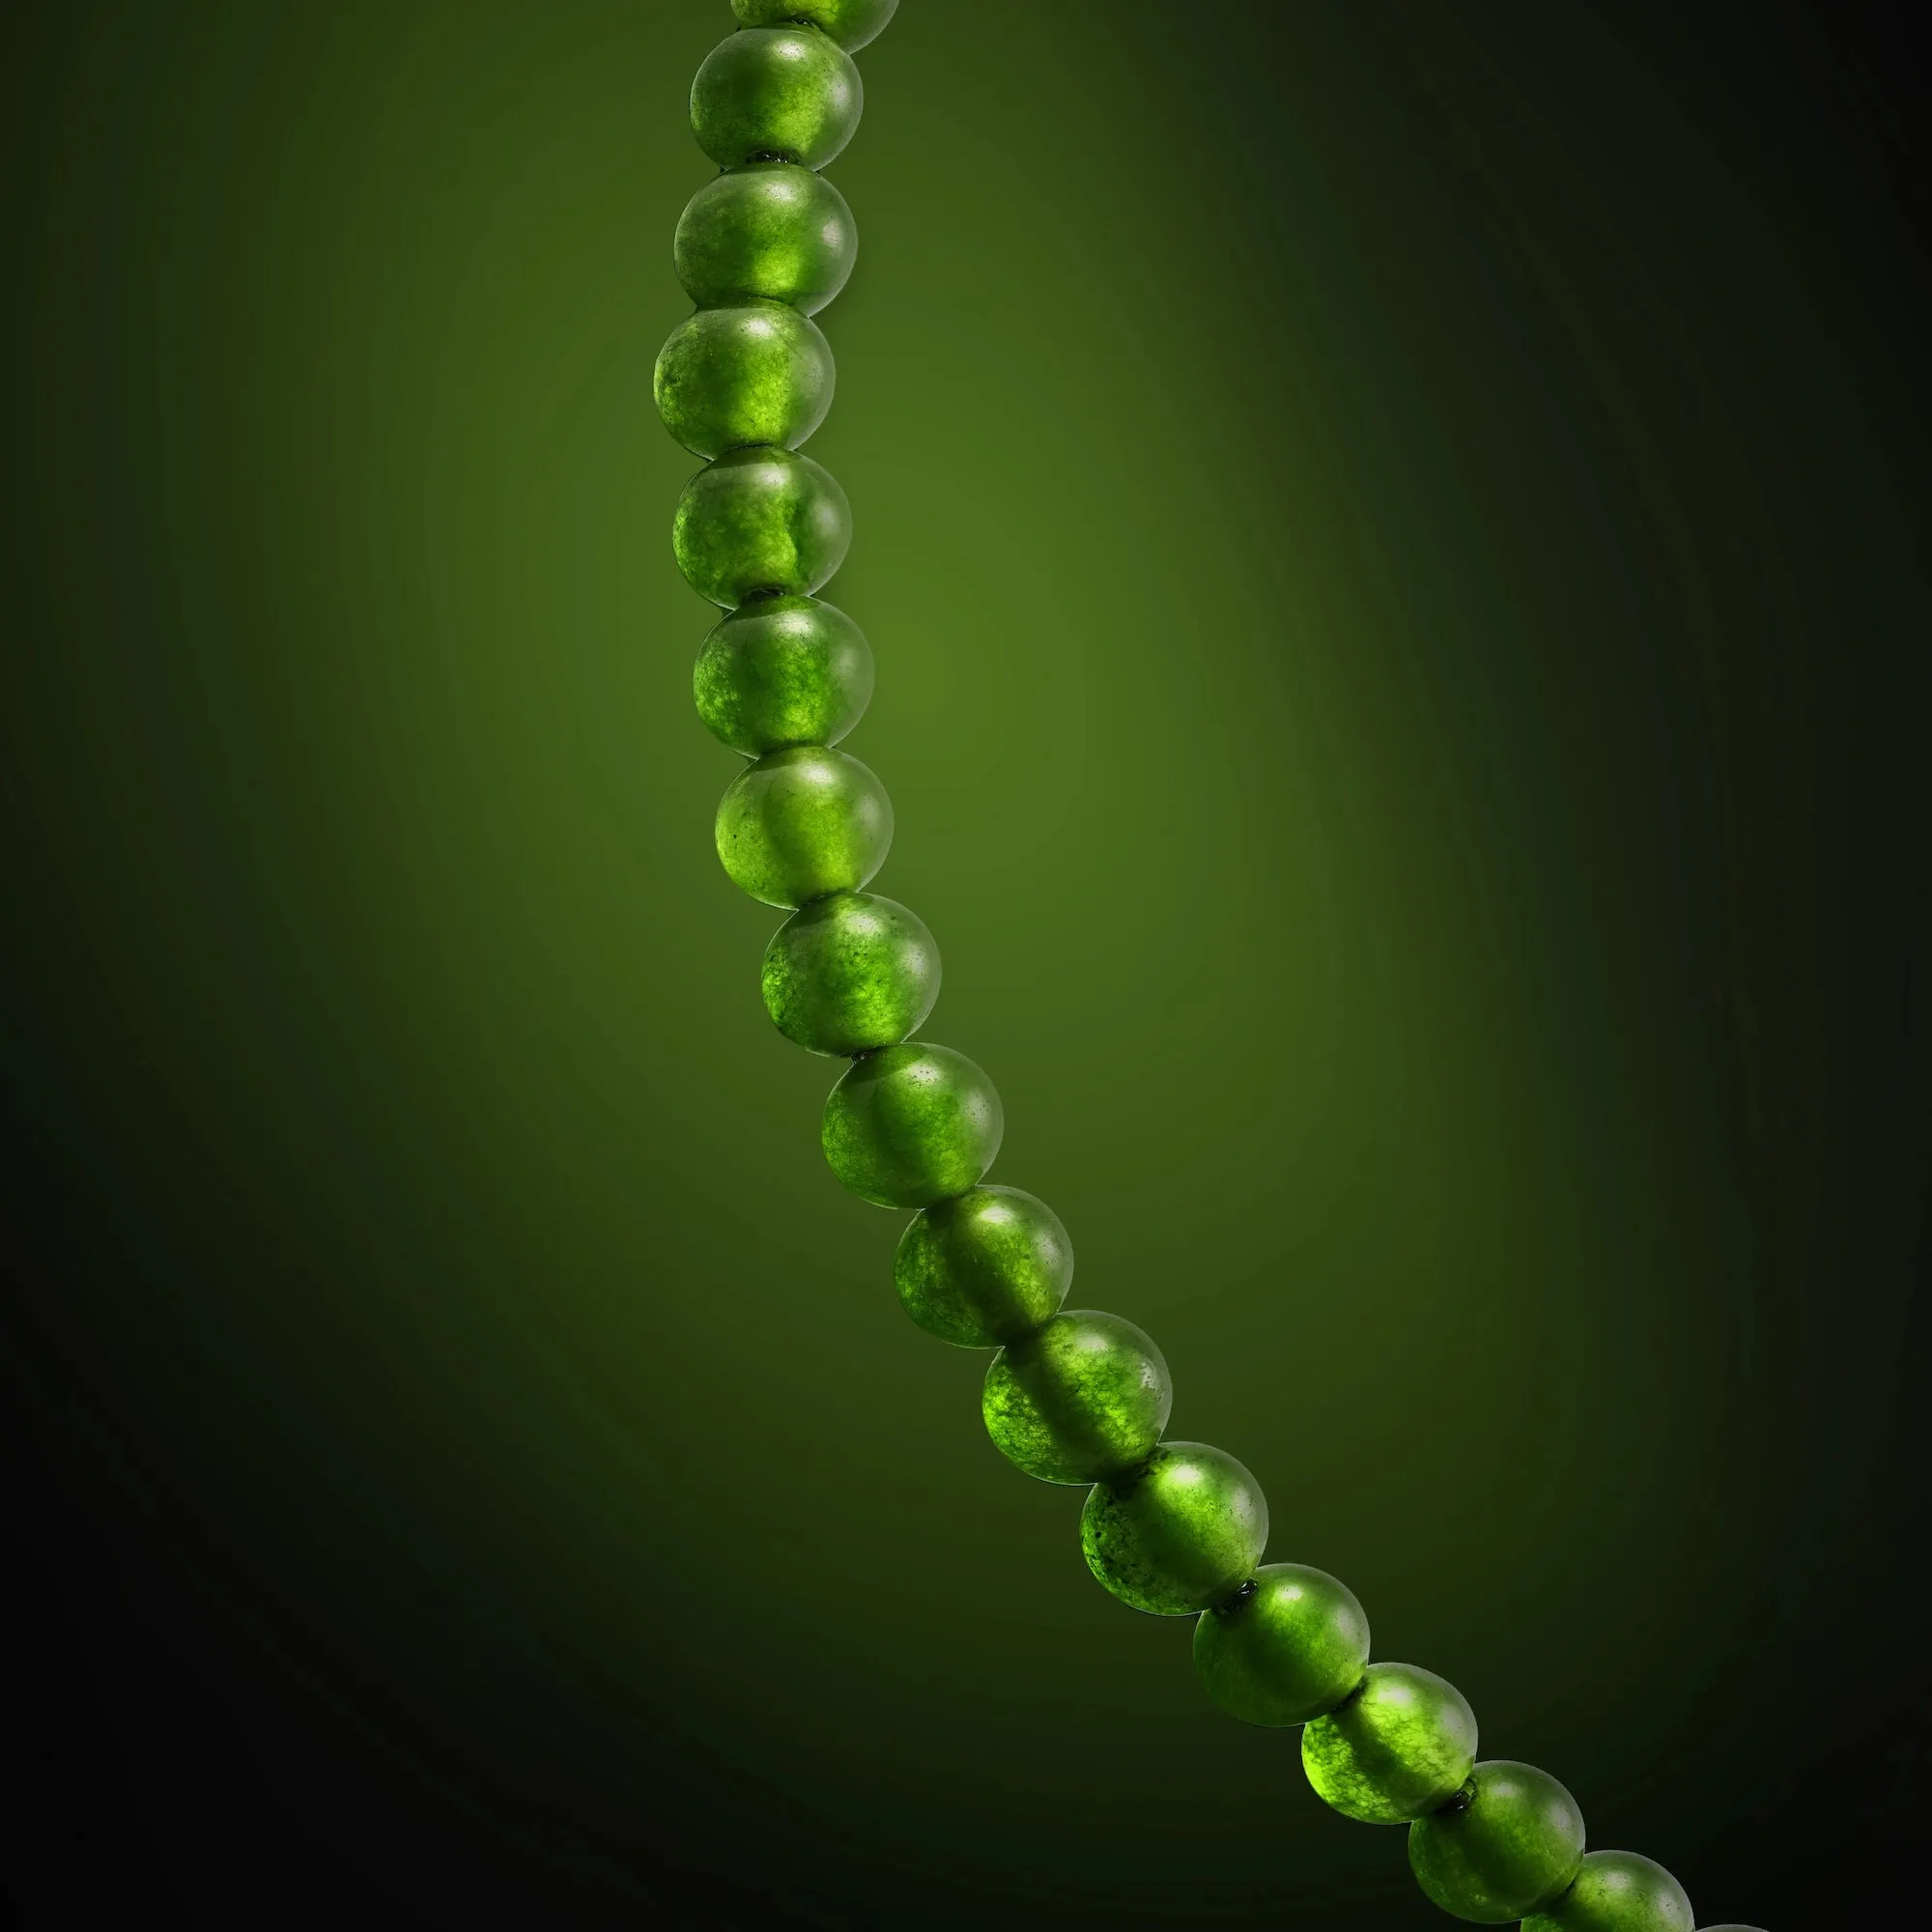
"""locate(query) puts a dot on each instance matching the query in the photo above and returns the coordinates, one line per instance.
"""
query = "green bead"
(783, 671)
(1508, 1846)
(986, 1268)
(850, 973)
(1183, 1533)
(909, 1125)
(802, 823)
(774, 231)
(1084, 1398)
(760, 523)
(1289, 1649)
(1617, 1891)
(729, 378)
(849, 22)
(1400, 1745)
(776, 94)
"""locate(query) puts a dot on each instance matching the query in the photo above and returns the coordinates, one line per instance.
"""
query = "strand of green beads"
(1074, 1395)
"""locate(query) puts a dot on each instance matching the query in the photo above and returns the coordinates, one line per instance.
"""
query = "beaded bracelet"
(1073, 1396)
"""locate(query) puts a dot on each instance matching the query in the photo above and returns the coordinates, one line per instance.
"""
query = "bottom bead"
(1618, 1891)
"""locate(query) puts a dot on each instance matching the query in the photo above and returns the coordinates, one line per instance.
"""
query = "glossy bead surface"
(802, 823)
(776, 94)
(1617, 1891)
(772, 231)
(729, 377)
(1288, 1650)
(850, 973)
(782, 672)
(1181, 1534)
(1510, 1847)
(760, 523)
(849, 22)
(1083, 1398)
(986, 1268)
(912, 1124)
(1400, 1746)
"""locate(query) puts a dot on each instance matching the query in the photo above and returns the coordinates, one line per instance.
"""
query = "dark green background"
(1392, 538)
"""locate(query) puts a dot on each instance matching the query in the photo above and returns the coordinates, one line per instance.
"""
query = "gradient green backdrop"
(1391, 537)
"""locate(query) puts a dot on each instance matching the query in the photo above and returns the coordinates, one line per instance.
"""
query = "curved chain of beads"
(1073, 1396)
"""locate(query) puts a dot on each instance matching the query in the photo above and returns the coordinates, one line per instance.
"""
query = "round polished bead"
(1401, 1745)
(1617, 1891)
(986, 1268)
(1182, 1533)
(1084, 1397)
(760, 523)
(850, 973)
(776, 94)
(849, 22)
(802, 823)
(773, 231)
(912, 1124)
(780, 671)
(729, 378)
(1289, 1649)
(1508, 1846)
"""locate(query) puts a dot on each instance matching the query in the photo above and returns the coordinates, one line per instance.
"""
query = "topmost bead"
(776, 94)
(850, 22)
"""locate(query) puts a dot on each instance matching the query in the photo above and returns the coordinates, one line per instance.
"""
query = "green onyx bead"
(850, 973)
(776, 94)
(1508, 1846)
(1617, 1891)
(1289, 1649)
(774, 231)
(1182, 1533)
(802, 823)
(849, 22)
(1083, 1398)
(1400, 1745)
(986, 1268)
(783, 670)
(912, 1124)
(760, 523)
(729, 377)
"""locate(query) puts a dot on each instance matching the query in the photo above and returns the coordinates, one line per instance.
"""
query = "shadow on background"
(1393, 537)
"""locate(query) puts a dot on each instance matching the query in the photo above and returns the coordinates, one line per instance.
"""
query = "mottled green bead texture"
(782, 672)
(1181, 1534)
(802, 823)
(1617, 1891)
(1400, 1746)
(758, 522)
(1289, 1649)
(985, 1269)
(1085, 1396)
(772, 231)
(849, 22)
(776, 94)
(729, 377)
(850, 973)
(1509, 1847)
(912, 1124)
